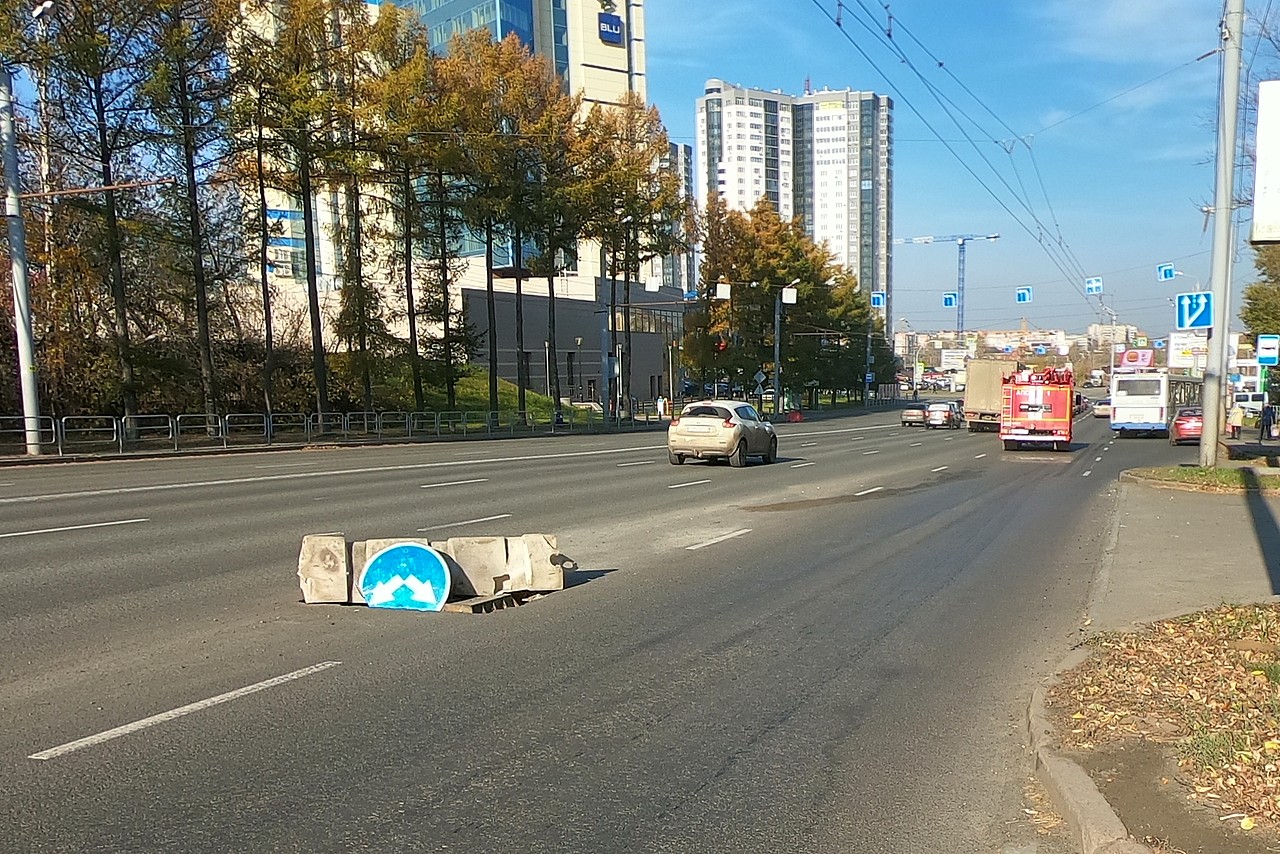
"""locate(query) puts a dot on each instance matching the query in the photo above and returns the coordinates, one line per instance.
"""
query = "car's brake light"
(728, 422)
(675, 421)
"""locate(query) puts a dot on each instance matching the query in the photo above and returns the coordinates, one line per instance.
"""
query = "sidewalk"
(1170, 552)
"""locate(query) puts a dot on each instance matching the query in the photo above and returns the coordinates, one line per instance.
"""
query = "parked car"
(1186, 425)
(913, 414)
(720, 429)
(943, 415)
(1102, 408)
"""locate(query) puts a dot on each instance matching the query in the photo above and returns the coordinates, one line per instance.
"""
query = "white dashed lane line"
(868, 491)
(72, 528)
(807, 444)
(916, 444)
(719, 539)
(455, 483)
(690, 483)
(979, 456)
(641, 463)
(466, 522)
(938, 469)
(869, 453)
(1086, 474)
(802, 465)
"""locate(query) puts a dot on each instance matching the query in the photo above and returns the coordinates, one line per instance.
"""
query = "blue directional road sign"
(1008, 349)
(1269, 350)
(409, 576)
(1040, 351)
(1093, 286)
(871, 378)
(1193, 311)
(1160, 343)
(1165, 273)
(1022, 295)
(949, 299)
(877, 299)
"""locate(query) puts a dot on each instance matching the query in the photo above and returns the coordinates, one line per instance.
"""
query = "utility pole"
(1223, 209)
(18, 255)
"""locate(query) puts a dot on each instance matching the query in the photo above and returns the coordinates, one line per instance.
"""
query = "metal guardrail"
(98, 434)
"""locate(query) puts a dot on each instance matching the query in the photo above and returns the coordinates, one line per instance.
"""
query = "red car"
(1186, 425)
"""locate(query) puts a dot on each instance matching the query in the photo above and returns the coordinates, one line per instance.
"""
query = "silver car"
(721, 429)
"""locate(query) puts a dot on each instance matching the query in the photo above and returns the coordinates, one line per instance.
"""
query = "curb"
(1095, 825)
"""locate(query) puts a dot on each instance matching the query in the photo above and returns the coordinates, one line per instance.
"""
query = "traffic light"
(721, 344)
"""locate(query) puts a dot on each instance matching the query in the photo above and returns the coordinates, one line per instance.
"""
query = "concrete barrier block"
(482, 562)
(358, 559)
(545, 564)
(324, 569)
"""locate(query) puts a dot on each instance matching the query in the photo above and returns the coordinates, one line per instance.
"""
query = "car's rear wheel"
(771, 454)
(738, 459)
(675, 459)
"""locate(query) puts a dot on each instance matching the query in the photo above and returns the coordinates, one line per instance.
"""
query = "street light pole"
(788, 295)
(18, 255)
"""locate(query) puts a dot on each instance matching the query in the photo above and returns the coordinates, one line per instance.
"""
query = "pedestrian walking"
(1268, 418)
(1235, 420)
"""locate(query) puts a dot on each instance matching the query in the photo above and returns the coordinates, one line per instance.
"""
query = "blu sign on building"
(611, 29)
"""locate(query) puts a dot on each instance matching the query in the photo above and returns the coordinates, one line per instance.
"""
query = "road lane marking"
(916, 444)
(466, 522)
(802, 465)
(807, 444)
(856, 438)
(1086, 474)
(454, 483)
(719, 539)
(641, 463)
(1097, 459)
(690, 483)
(72, 528)
(938, 469)
(173, 714)
(867, 491)
(288, 465)
(948, 439)
(979, 456)
(869, 453)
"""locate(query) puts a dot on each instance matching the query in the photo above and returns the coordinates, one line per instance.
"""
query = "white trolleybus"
(1143, 402)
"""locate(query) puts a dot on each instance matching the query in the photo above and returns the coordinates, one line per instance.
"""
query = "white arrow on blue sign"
(1165, 273)
(1093, 286)
(949, 299)
(1022, 295)
(1194, 311)
(408, 576)
(877, 299)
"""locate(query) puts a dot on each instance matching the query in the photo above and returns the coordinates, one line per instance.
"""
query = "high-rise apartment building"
(824, 158)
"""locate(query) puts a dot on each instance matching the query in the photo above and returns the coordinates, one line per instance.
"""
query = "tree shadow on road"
(1265, 527)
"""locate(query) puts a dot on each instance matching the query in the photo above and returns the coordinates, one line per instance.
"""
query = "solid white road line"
(802, 465)
(690, 483)
(641, 463)
(455, 483)
(173, 714)
(938, 469)
(467, 522)
(719, 539)
(73, 528)
(868, 491)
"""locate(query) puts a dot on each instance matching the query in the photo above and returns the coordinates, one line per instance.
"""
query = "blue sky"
(1088, 126)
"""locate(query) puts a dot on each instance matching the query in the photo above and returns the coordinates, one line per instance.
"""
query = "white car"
(720, 429)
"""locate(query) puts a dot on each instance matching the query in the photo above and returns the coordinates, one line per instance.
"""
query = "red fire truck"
(1036, 408)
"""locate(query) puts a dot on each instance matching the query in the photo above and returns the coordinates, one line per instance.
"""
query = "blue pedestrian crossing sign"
(408, 576)
(1093, 286)
(1194, 310)
(877, 299)
(1022, 295)
(1165, 273)
(950, 299)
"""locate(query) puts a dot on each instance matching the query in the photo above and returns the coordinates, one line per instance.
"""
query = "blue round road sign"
(408, 576)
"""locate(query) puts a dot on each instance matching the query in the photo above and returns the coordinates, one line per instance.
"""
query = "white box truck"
(983, 394)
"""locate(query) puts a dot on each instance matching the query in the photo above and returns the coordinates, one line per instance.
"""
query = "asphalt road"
(831, 653)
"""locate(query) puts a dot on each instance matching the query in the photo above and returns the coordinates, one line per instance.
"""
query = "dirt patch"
(1153, 797)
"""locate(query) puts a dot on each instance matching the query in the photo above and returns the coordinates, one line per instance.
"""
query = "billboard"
(953, 360)
(1266, 171)
(1187, 349)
